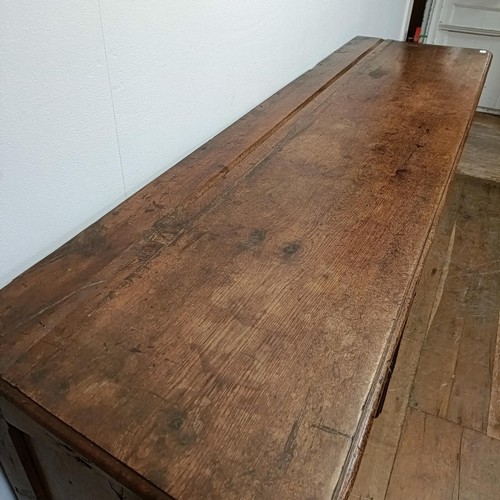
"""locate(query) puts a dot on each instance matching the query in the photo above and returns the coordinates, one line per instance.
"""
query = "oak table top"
(226, 332)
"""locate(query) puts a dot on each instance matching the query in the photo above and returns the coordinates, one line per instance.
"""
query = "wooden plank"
(454, 375)
(479, 467)
(481, 157)
(438, 459)
(243, 353)
(427, 461)
(494, 409)
(377, 462)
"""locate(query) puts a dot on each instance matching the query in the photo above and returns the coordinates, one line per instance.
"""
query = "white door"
(474, 24)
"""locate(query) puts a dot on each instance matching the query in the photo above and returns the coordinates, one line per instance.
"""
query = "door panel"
(483, 14)
(474, 24)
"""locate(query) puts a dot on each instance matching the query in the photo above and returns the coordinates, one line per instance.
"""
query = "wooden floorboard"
(438, 435)
(481, 156)
(479, 467)
(438, 459)
(494, 410)
(427, 461)
(454, 375)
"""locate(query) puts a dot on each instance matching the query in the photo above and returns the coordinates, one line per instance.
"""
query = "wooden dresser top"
(225, 333)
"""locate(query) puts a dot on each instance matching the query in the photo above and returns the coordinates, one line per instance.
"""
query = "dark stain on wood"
(290, 249)
(291, 443)
(176, 419)
(377, 73)
(330, 430)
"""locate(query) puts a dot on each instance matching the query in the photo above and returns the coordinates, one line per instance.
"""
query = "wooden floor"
(481, 155)
(438, 436)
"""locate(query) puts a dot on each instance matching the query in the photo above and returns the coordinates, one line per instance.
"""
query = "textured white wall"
(99, 97)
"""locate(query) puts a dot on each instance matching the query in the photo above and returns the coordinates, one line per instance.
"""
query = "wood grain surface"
(481, 157)
(226, 332)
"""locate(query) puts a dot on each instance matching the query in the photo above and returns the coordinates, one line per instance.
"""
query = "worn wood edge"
(351, 465)
(80, 444)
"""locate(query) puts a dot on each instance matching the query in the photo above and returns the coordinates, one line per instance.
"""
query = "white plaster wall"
(99, 97)
(59, 160)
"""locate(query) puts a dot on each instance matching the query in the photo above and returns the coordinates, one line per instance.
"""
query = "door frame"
(431, 19)
(406, 20)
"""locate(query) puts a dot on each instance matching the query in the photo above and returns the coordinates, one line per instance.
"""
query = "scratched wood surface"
(225, 333)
